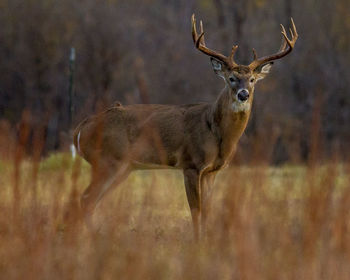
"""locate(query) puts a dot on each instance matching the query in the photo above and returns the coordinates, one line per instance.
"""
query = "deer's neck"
(230, 119)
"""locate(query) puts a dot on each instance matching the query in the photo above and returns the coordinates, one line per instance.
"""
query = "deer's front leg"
(192, 184)
(206, 189)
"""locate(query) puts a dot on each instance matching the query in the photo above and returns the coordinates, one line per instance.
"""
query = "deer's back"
(144, 134)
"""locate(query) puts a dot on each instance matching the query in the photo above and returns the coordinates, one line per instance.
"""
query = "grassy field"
(288, 222)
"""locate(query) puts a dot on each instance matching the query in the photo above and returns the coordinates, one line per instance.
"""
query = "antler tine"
(233, 52)
(194, 30)
(200, 44)
(255, 54)
(202, 32)
(294, 28)
(286, 47)
(284, 42)
(198, 41)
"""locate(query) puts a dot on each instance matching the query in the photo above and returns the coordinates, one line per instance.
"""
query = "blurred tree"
(110, 36)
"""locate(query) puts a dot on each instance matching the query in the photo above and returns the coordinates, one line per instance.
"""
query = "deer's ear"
(262, 71)
(218, 67)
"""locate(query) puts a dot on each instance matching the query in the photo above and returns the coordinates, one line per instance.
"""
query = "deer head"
(241, 79)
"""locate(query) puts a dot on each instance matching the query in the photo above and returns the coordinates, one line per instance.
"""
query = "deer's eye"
(252, 80)
(232, 80)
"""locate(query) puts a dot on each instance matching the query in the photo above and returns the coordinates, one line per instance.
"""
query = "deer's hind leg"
(106, 174)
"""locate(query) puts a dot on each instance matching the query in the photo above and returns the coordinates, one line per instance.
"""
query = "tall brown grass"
(289, 222)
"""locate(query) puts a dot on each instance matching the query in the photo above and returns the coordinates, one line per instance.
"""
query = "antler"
(200, 45)
(286, 47)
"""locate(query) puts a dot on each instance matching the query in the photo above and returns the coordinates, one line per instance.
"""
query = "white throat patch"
(238, 106)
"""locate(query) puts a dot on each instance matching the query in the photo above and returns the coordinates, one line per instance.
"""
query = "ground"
(289, 222)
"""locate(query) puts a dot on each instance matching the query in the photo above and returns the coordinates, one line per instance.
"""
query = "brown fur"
(198, 135)
(199, 138)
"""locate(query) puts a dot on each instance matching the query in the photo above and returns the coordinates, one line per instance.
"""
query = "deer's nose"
(243, 95)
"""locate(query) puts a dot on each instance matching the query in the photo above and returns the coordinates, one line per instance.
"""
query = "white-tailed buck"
(200, 139)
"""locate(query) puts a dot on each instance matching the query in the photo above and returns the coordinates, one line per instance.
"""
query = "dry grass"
(265, 223)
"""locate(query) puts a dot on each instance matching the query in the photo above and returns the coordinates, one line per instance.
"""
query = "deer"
(201, 139)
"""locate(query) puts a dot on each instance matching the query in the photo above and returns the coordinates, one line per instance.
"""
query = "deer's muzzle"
(243, 95)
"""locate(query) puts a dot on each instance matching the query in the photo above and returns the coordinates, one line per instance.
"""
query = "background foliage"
(142, 51)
